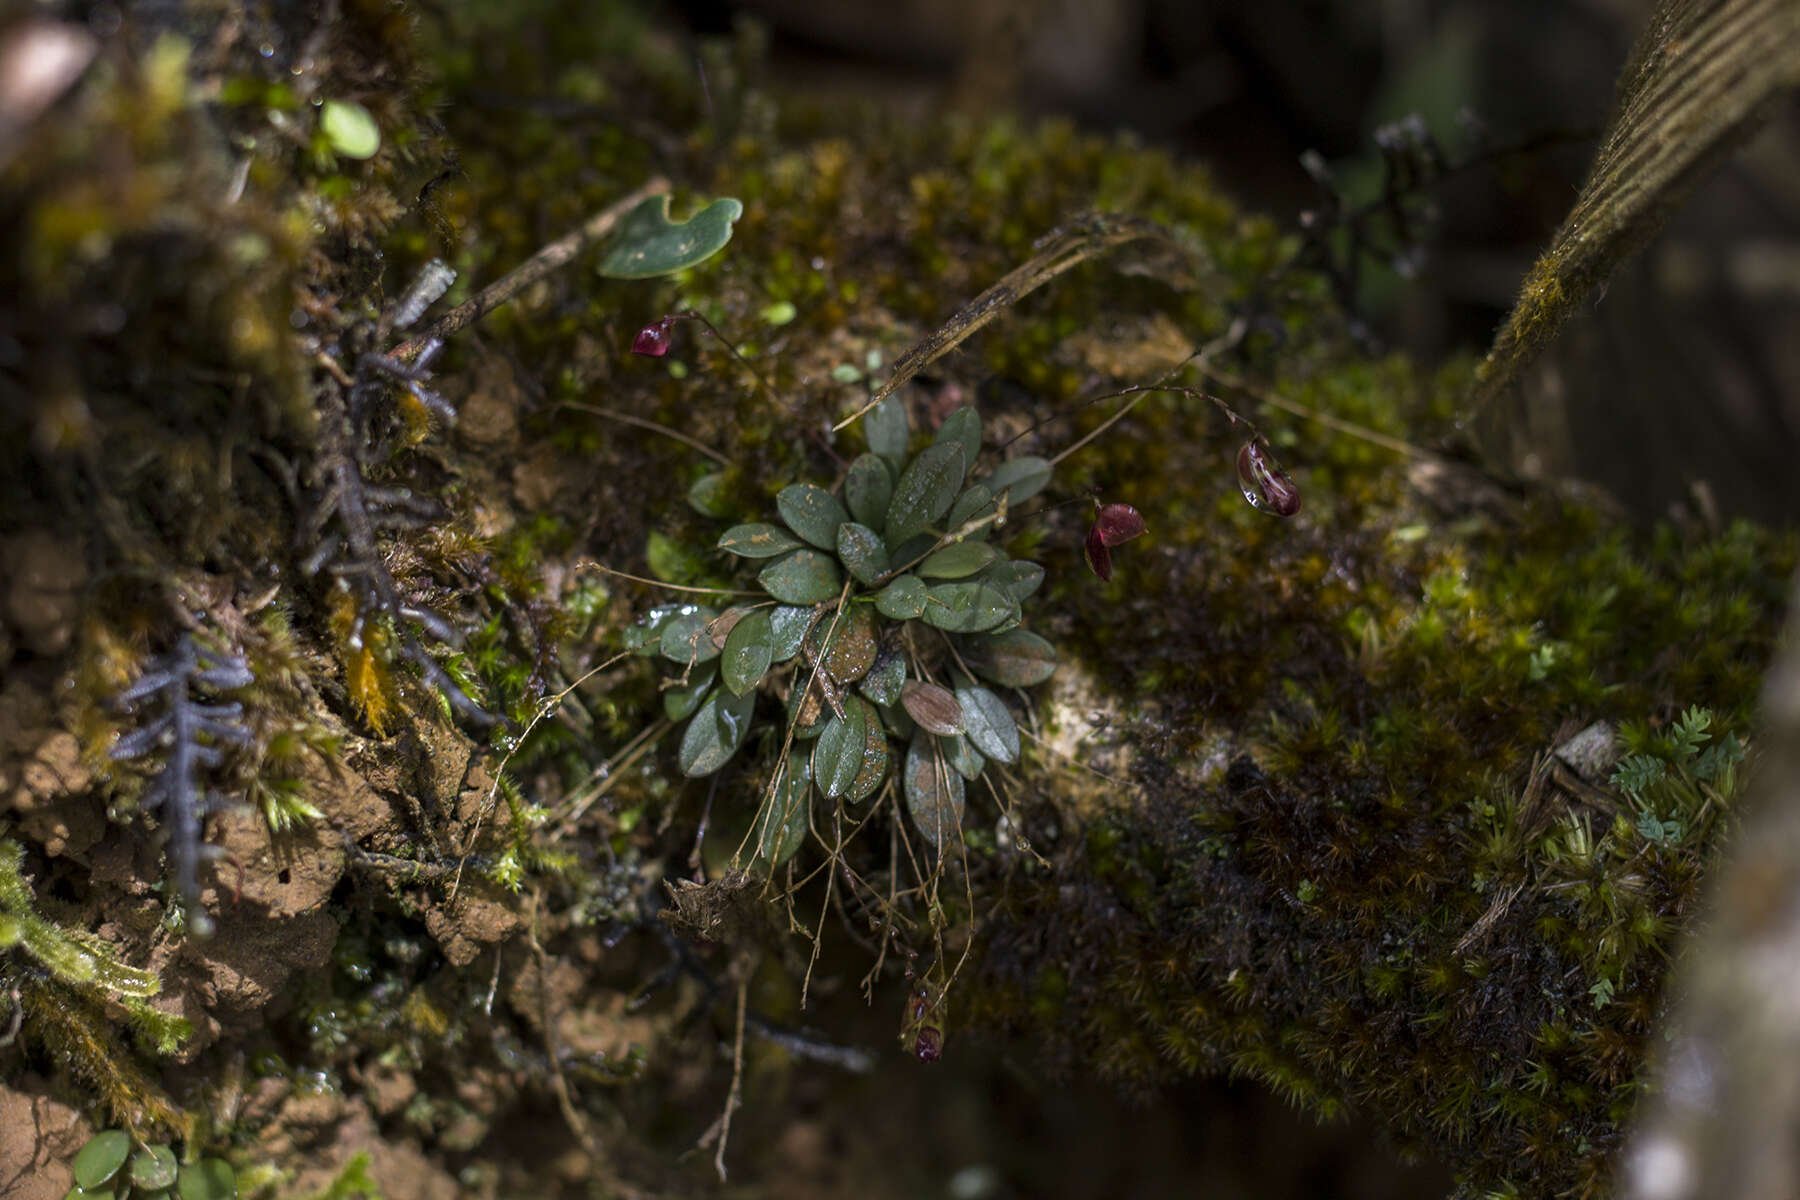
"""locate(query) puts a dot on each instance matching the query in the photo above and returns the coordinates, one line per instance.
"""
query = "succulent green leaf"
(153, 1167)
(757, 540)
(101, 1158)
(862, 552)
(869, 489)
(886, 428)
(1016, 577)
(787, 629)
(812, 512)
(961, 755)
(644, 635)
(679, 702)
(934, 791)
(964, 428)
(749, 652)
(716, 731)
(1018, 658)
(648, 244)
(975, 501)
(967, 607)
(883, 682)
(958, 560)
(876, 757)
(208, 1179)
(687, 638)
(901, 600)
(837, 756)
(989, 724)
(349, 128)
(924, 491)
(706, 496)
(783, 822)
(802, 577)
(1025, 477)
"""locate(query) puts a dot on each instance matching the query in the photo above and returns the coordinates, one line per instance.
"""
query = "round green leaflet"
(882, 683)
(868, 489)
(208, 1179)
(1017, 658)
(648, 243)
(687, 638)
(812, 512)
(975, 501)
(925, 491)
(680, 701)
(967, 607)
(837, 756)
(934, 791)
(349, 129)
(153, 1167)
(802, 577)
(862, 552)
(757, 540)
(1021, 478)
(961, 755)
(988, 724)
(101, 1158)
(958, 560)
(1017, 578)
(787, 629)
(749, 652)
(901, 600)
(707, 496)
(716, 731)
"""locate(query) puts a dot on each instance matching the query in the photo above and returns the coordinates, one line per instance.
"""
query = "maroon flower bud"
(1098, 556)
(654, 339)
(1264, 484)
(928, 1046)
(1118, 523)
(1113, 524)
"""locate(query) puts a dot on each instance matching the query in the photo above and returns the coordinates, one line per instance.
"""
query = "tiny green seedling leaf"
(1017, 578)
(963, 756)
(882, 684)
(975, 501)
(349, 129)
(208, 1179)
(687, 638)
(967, 607)
(648, 243)
(153, 1167)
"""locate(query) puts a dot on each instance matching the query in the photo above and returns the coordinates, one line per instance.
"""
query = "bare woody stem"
(552, 257)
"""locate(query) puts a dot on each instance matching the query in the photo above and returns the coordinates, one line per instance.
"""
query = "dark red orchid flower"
(1113, 524)
(654, 339)
(1264, 484)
